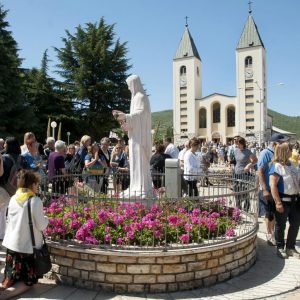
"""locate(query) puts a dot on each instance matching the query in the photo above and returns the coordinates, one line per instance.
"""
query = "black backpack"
(76, 165)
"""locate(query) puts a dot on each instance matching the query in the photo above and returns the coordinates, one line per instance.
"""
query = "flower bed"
(119, 224)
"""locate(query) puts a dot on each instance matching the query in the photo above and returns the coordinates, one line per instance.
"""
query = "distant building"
(291, 135)
(220, 117)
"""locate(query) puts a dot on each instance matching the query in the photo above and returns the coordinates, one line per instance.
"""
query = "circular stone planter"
(128, 271)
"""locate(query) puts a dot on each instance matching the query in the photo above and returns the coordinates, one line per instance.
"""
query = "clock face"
(249, 73)
(182, 81)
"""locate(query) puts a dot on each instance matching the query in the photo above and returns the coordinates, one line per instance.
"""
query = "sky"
(153, 29)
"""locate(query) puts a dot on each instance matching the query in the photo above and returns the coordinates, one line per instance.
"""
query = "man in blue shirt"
(266, 203)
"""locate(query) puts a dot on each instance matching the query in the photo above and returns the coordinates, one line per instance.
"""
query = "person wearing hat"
(266, 202)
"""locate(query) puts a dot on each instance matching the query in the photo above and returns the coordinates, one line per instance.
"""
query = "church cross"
(250, 9)
(186, 21)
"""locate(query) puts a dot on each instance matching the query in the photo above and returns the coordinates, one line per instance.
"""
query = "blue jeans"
(291, 213)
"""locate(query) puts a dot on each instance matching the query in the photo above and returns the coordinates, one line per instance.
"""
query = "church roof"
(279, 130)
(187, 46)
(250, 36)
(216, 94)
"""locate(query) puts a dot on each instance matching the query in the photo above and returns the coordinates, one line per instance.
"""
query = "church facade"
(220, 117)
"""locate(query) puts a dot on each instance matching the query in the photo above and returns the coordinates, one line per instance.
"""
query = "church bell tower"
(251, 83)
(187, 87)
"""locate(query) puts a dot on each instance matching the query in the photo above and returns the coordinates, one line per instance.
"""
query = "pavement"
(270, 278)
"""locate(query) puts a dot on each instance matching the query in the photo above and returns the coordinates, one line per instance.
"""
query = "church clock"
(249, 73)
(183, 81)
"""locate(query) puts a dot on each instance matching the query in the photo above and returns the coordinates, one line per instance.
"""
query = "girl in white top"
(19, 272)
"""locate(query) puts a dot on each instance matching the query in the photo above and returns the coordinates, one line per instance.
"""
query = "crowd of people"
(276, 165)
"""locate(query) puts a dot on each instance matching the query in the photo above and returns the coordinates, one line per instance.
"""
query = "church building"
(220, 117)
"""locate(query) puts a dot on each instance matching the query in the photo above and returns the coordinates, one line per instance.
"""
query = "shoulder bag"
(42, 261)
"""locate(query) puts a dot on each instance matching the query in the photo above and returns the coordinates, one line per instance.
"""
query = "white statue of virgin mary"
(138, 125)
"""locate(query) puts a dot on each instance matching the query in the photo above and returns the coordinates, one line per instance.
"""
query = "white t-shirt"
(191, 166)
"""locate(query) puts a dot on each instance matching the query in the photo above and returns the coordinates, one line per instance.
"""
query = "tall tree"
(14, 110)
(46, 99)
(94, 67)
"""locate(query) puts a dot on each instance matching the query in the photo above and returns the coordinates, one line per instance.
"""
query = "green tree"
(169, 132)
(15, 112)
(94, 68)
(47, 99)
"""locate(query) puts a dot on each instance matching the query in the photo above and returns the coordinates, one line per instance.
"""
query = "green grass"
(291, 124)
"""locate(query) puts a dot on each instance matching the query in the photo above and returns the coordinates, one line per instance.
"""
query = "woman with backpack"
(8, 185)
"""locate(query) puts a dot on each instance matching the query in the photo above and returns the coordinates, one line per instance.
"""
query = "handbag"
(42, 261)
(94, 170)
(4, 197)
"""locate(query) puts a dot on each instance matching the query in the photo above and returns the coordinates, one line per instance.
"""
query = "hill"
(291, 124)
(165, 120)
(282, 121)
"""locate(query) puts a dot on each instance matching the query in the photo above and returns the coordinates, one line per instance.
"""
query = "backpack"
(76, 165)
(11, 185)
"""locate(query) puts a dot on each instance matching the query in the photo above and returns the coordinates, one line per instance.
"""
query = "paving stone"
(59, 292)
(82, 294)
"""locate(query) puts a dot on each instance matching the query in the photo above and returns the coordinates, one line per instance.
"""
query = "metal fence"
(84, 208)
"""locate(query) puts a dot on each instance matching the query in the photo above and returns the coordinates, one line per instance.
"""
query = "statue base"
(146, 198)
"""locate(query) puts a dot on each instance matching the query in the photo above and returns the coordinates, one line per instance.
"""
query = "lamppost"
(68, 134)
(260, 101)
(53, 125)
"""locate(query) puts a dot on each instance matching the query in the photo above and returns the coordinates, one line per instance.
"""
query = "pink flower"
(173, 220)
(90, 224)
(102, 215)
(230, 232)
(74, 224)
(185, 238)
(81, 234)
(195, 220)
(236, 214)
(91, 240)
(196, 212)
(212, 224)
(157, 233)
(130, 235)
(126, 227)
(118, 219)
(214, 215)
(188, 227)
(107, 237)
(119, 241)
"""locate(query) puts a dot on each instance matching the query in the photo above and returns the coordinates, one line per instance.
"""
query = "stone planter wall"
(138, 272)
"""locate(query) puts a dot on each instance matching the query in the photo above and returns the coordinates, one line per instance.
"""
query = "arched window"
(202, 118)
(231, 116)
(248, 62)
(182, 70)
(216, 113)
